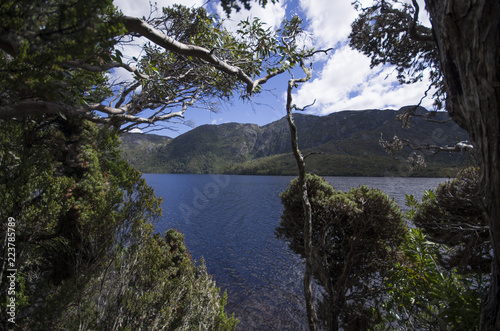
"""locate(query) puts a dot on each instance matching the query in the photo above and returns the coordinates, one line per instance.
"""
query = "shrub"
(86, 254)
(355, 239)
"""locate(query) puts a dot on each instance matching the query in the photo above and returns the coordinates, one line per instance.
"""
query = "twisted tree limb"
(312, 318)
(144, 29)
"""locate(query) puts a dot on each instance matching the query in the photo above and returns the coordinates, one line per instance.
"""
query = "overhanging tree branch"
(191, 56)
(142, 28)
(106, 67)
(397, 144)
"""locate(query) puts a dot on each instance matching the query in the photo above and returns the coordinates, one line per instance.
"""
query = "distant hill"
(138, 148)
(348, 142)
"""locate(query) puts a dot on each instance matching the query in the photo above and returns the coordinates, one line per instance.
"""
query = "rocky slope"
(348, 142)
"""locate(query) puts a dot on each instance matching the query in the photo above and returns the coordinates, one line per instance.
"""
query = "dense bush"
(444, 269)
(454, 216)
(86, 254)
(423, 295)
(355, 239)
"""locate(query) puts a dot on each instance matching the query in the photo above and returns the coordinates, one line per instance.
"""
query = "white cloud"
(136, 130)
(347, 82)
(272, 15)
(343, 80)
(329, 21)
(217, 120)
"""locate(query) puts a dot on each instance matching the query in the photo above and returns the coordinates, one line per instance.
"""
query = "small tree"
(454, 216)
(355, 237)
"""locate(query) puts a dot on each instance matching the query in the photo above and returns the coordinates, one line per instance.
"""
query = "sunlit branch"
(303, 108)
(126, 92)
(139, 26)
(308, 247)
(397, 144)
(106, 67)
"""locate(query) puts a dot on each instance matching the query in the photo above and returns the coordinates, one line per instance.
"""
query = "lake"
(230, 222)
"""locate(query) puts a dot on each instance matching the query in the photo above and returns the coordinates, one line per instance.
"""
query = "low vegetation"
(87, 256)
(380, 274)
(339, 165)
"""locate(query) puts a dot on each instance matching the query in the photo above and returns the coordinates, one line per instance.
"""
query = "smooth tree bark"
(146, 30)
(467, 33)
(129, 101)
(312, 318)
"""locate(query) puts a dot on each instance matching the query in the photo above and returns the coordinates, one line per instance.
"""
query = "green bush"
(454, 216)
(356, 235)
(443, 272)
(422, 295)
(86, 254)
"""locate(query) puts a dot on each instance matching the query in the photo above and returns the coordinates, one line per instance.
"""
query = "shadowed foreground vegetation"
(87, 257)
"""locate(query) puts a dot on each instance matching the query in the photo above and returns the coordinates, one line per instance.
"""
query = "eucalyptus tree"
(59, 60)
(58, 55)
(461, 49)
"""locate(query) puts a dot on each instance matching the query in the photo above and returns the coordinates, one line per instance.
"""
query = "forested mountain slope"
(348, 142)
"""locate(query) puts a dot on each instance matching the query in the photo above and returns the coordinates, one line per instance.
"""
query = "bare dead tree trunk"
(467, 34)
(312, 318)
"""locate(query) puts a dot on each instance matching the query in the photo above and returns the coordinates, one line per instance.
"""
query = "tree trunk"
(312, 318)
(467, 33)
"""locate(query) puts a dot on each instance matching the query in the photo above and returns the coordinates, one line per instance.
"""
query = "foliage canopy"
(86, 254)
(59, 58)
(389, 33)
(355, 236)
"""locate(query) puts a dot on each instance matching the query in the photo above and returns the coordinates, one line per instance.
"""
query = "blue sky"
(342, 80)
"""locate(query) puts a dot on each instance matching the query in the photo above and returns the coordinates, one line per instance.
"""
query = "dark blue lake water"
(230, 222)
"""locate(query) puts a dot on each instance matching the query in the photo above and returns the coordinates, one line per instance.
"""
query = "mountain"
(348, 142)
(137, 148)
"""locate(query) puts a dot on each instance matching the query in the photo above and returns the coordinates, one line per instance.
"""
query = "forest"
(79, 248)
